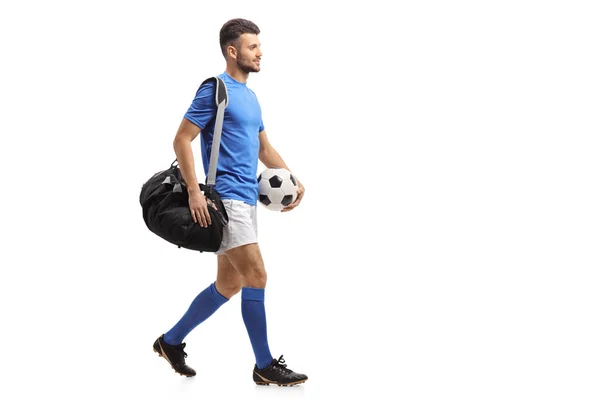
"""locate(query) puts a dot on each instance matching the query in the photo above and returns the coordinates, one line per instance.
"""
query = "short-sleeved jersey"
(238, 154)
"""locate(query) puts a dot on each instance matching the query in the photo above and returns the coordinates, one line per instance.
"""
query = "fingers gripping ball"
(277, 188)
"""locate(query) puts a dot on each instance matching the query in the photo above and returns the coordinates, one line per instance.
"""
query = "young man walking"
(240, 265)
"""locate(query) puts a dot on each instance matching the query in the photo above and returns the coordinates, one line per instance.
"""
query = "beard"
(247, 66)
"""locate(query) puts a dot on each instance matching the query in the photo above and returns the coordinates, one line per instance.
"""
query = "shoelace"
(181, 347)
(282, 365)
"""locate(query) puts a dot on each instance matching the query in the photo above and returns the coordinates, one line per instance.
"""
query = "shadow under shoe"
(174, 355)
(277, 373)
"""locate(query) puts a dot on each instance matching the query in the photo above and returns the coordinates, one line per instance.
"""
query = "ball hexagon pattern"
(277, 188)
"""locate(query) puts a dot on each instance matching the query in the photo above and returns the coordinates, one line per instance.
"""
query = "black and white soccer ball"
(277, 188)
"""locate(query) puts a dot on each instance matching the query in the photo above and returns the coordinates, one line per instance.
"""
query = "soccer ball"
(277, 188)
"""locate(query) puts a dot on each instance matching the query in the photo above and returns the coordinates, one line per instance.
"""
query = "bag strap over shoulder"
(222, 100)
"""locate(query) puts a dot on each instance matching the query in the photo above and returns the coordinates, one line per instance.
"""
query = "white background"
(447, 246)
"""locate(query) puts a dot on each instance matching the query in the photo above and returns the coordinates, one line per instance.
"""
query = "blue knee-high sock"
(253, 313)
(203, 306)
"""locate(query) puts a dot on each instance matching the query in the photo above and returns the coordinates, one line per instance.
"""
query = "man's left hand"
(298, 199)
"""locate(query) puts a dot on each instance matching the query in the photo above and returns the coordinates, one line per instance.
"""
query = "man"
(239, 262)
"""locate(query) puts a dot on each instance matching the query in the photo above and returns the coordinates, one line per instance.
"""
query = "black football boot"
(174, 355)
(277, 373)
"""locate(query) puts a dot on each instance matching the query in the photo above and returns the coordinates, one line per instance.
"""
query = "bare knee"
(229, 288)
(229, 281)
(248, 262)
(255, 276)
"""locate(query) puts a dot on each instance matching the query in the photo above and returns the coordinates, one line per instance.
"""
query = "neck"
(236, 73)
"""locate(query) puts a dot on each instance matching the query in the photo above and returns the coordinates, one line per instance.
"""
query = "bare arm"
(182, 144)
(271, 159)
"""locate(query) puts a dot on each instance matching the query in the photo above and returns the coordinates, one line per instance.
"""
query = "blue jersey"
(238, 155)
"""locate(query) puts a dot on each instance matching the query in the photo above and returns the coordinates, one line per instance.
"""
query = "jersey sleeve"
(261, 127)
(203, 108)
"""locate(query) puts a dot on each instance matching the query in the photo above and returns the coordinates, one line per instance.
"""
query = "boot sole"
(161, 355)
(281, 384)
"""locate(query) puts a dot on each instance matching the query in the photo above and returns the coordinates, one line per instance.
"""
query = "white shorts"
(242, 228)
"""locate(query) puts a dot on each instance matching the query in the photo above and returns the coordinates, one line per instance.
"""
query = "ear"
(232, 51)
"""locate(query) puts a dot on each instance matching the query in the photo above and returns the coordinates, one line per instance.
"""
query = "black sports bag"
(165, 201)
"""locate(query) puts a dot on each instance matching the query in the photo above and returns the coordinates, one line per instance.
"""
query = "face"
(248, 55)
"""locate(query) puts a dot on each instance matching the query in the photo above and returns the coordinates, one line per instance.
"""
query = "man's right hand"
(199, 208)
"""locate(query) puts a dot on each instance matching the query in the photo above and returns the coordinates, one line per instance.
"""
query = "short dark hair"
(232, 30)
